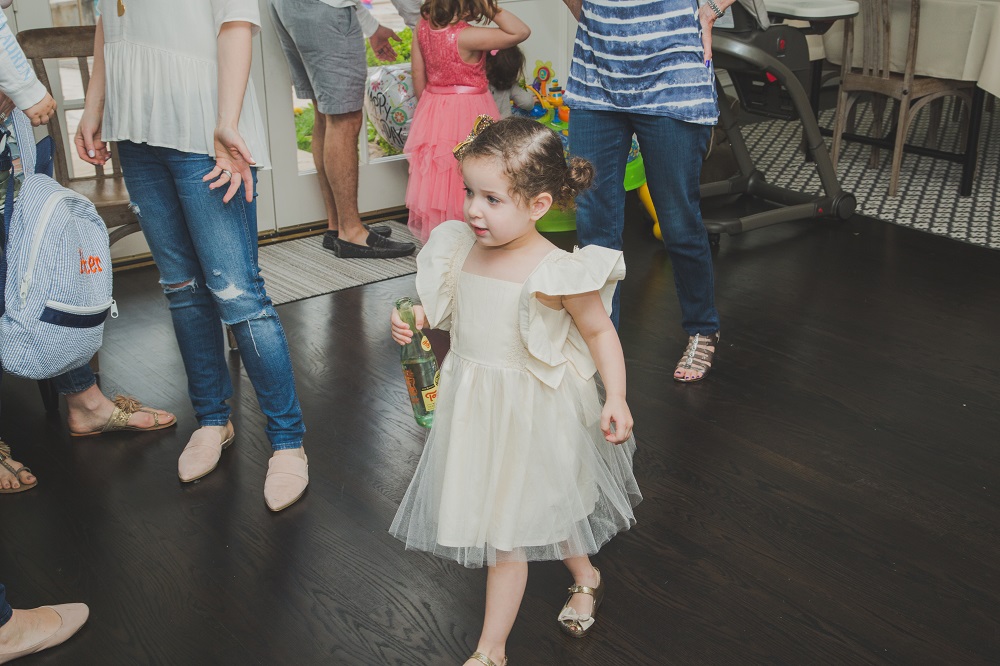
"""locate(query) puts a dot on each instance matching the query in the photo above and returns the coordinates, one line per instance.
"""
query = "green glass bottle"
(420, 368)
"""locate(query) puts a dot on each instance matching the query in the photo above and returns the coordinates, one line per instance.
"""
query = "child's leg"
(586, 575)
(505, 584)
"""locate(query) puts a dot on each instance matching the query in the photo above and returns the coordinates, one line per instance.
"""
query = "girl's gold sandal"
(574, 623)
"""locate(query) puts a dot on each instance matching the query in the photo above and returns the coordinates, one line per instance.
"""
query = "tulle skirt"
(516, 470)
(435, 192)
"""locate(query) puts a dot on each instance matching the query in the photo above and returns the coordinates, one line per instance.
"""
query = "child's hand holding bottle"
(401, 332)
(616, 420)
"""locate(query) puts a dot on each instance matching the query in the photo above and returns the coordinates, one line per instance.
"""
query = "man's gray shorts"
(325, 49)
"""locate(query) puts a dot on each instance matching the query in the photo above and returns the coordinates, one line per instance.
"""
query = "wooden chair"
(875, 78)
(106, 190)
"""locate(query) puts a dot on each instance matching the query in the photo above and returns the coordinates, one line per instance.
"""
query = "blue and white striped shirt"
(642, 56)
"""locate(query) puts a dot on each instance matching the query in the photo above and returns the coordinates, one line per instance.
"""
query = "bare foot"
(90, 410)
(10, 482)
(27, 628)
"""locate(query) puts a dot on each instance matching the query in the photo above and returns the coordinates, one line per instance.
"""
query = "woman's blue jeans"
(672, 152)
(206, 252)
(5, 609)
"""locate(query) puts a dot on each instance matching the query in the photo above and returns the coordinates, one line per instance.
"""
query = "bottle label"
(425, 344)
(421, 385)
(430, 394)
(411, 386)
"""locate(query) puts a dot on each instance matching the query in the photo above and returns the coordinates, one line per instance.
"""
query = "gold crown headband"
(482, 122)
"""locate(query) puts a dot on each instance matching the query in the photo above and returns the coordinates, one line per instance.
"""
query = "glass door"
(383, 171)
(289, 195)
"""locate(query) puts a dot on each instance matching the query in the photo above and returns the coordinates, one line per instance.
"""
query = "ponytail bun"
(578, 177)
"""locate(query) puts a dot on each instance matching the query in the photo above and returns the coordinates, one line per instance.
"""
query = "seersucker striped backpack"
(58, 286)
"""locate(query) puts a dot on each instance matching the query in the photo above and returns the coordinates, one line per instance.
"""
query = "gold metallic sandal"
(486, 661)
(574, 623)
(125, 407)
(698, 356)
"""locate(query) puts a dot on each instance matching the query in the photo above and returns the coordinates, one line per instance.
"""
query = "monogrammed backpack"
(58, 286)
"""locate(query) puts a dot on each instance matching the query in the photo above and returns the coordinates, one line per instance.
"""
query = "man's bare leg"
(340, 166)
(319, 159)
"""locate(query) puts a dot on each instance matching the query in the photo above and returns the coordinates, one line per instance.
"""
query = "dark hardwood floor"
(828, 496)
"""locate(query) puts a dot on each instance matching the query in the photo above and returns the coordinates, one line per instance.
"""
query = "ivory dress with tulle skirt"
(516, 466)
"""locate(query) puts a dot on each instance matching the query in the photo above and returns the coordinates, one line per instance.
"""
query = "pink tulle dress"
(456, 93)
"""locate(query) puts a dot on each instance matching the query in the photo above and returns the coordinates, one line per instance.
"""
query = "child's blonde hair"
(531, 156)
(440, 13)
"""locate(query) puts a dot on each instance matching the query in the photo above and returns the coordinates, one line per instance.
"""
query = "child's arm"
(401, 332)
(417, 69)
(590, 317)
(510, 31)
(522, 98)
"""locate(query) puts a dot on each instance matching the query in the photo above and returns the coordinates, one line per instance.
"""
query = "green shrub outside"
(304, 117)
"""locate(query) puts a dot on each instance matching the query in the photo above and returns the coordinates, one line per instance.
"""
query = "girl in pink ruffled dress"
(450, 82)
(526, 460)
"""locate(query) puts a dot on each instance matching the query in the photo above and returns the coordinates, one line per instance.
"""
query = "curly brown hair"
(531, 156)
(441, 13)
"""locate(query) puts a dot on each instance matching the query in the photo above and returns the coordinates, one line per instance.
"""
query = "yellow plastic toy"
(647, 201)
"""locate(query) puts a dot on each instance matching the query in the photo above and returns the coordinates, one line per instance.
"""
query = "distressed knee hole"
(181, 285)
(228, 293)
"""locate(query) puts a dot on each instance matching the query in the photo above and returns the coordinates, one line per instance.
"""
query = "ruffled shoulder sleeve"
(550, 336)
(438, 265)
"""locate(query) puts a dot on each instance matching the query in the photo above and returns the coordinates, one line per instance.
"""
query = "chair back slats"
(43, 44)
(106, 187)
(873, 76)
(876, 38)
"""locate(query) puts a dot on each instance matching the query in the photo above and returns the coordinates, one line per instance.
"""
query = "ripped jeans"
(206, 252)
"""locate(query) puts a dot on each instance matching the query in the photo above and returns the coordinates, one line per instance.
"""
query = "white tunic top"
(161, 64)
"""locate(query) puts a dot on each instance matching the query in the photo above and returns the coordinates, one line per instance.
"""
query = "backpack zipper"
(36, 241)
(82, 309)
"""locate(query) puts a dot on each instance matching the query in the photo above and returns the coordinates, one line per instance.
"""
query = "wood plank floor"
(829, 496)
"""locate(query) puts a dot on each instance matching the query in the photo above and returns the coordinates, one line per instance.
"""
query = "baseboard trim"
(288, 233)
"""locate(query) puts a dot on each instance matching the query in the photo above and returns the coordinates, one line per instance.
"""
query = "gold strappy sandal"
(698, 356)
(125, 407)
(577, 624)
(486, 661)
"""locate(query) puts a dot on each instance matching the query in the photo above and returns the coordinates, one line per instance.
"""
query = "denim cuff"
(285, 446)
(76, 380)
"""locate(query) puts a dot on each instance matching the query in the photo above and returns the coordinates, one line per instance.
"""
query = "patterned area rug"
(302, 268)
(928, 188)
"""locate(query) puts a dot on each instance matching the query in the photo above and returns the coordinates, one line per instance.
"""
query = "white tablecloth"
(958, 39)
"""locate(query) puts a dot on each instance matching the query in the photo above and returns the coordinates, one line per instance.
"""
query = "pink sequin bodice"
(442, 61)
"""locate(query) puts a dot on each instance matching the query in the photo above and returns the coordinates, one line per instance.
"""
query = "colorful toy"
(647, 201)
(390, 102)
(552, 111)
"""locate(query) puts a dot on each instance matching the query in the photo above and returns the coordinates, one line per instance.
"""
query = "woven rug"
(302, 268)
(928, 188)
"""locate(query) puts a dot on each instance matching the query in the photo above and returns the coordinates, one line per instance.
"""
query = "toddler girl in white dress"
(525, 460)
